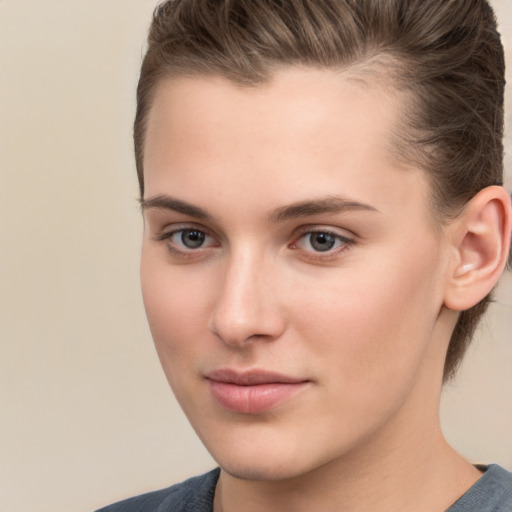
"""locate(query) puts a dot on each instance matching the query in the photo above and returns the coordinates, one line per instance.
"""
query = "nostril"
(258, 328)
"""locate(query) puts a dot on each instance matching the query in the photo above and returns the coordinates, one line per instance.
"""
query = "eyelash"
(344, 242)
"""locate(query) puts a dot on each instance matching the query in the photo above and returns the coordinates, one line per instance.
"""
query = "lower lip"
(253, 399)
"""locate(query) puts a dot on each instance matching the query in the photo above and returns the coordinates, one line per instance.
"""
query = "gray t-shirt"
(492, 493)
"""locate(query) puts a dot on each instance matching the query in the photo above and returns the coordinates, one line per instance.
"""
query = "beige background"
(86, 415)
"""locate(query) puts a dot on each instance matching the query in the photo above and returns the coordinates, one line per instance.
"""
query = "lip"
(252, 392)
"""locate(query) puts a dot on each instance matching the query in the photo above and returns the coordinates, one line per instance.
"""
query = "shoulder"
(192, 495)
(491, 493)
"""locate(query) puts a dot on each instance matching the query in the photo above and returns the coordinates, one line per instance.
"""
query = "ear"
(481, 245)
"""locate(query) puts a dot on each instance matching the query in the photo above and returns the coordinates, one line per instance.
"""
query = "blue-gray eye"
(322, 242)
(318, 242)
(192, 238)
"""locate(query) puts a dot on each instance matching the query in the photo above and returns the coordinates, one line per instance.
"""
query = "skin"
(363, 324)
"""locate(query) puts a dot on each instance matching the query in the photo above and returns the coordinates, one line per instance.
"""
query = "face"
(291, 274)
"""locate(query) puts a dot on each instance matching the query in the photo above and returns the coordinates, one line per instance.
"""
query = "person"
(321, 186)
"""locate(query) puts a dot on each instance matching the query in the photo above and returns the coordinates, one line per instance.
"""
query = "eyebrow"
(170, 203)
(322, 205)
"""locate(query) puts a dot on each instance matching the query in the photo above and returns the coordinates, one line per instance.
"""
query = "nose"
(247, 306)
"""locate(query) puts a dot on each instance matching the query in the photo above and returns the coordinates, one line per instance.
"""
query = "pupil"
(192, 239)
(322, 241)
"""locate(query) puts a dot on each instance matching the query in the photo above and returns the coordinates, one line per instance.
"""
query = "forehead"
(303, 131)
(318, 102)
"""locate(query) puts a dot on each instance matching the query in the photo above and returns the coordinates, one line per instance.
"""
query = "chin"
(264, 471)
(248, 461)
(270, 459)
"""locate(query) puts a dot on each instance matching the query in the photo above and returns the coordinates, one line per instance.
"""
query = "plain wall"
(86, 414)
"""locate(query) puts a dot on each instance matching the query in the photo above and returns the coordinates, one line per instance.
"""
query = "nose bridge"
(245, 306)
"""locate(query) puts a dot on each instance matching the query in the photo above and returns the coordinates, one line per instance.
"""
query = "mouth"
(252, 392)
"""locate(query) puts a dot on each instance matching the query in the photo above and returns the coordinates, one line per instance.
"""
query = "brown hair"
(447, 53)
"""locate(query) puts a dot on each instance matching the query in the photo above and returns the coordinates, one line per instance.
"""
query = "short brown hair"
(447, 53)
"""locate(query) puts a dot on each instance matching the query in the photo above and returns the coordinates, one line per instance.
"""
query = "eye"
(187, 240)
(190, 238)
(322, 242)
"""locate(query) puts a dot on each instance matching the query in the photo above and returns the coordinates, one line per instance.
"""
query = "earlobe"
(482, 245)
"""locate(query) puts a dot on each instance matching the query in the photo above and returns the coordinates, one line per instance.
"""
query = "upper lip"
(251, 378)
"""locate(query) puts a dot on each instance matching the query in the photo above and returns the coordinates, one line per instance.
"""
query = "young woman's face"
(291, 273)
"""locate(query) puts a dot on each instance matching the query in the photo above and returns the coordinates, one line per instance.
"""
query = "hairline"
(376, 68)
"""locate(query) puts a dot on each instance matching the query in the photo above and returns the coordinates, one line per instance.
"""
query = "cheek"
(373, 322)
(174, 302)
